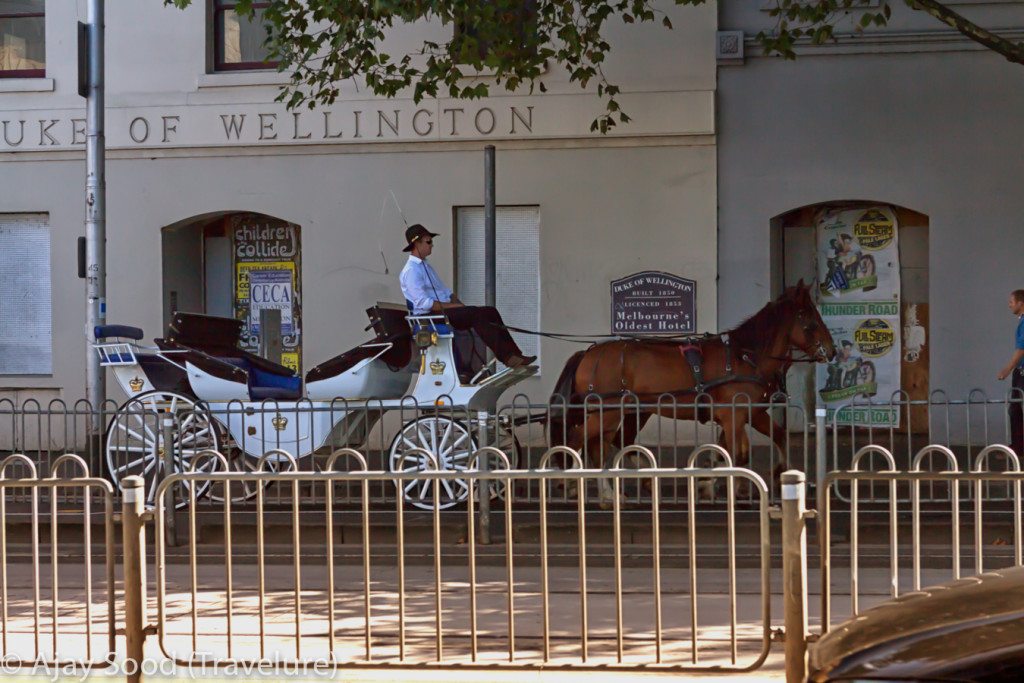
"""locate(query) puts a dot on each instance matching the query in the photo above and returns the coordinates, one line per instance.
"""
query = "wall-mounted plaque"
(653, 302)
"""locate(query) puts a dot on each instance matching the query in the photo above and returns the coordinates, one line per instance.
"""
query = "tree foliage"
(323, 43)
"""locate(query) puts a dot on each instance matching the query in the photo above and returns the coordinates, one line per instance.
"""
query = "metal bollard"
(794, 574)
(483, 489)
(134, 548)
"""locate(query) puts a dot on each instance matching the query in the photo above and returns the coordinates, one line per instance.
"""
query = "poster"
(267, 255)
(858, 254)
(859, 297)
(271, 289)
(867, 365)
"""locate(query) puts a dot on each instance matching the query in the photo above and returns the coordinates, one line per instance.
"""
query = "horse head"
(809, 332)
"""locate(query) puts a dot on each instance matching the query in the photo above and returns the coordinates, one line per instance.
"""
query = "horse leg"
(580, 434)
(726, 439)
(763, 422)
(606, 446)
(734, 434)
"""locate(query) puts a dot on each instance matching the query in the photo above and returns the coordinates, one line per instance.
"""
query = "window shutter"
(518, 276)
(25, 309)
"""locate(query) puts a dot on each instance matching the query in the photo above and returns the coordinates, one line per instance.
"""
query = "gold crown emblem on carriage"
(136, 383)
(279, 422)
(437, 367)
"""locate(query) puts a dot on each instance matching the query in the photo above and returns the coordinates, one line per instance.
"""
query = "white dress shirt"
(422, 286)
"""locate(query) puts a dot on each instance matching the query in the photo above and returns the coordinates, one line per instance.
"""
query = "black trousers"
(1017, 412)
(487, 323)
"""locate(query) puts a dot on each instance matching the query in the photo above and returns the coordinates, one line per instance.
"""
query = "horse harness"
(692, 354)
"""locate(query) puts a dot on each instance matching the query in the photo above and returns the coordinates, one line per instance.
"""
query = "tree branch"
(1013, 52)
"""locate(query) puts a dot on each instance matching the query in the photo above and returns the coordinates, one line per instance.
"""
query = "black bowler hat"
(415, 232)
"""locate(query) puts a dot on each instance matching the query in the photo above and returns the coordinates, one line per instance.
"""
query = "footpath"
(209, 628)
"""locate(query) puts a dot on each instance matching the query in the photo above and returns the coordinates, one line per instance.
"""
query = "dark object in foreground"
(966, 630)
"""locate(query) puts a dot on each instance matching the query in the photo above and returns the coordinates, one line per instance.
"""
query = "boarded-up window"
(518, 276)
(25, 328)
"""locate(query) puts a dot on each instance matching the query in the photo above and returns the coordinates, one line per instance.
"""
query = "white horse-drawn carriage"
(196, 390)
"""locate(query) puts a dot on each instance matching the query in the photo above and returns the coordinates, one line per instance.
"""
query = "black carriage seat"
(216, 339)
(389, 326)
(468, 348)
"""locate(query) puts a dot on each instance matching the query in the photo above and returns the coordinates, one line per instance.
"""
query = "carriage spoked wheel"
(243, 491)
(453, 445)
(134, 443)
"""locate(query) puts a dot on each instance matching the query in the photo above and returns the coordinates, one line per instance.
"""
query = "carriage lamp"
(426, 338)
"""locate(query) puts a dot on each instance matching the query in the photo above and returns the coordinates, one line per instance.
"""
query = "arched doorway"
(235, 264)
(829, 243)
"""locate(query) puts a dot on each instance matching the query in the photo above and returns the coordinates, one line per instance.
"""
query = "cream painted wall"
(933, 129)
(597, 224)
(644, 198)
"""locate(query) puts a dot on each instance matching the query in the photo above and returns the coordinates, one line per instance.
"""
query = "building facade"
(210, 180)
(913, 117)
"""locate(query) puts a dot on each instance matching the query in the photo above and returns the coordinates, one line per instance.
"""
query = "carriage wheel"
(452, 444)
(134, 443)
(242, 491)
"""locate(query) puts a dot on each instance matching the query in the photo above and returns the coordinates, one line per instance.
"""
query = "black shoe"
(520, 361)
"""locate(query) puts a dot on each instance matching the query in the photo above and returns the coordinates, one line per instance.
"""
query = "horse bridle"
(809, 327)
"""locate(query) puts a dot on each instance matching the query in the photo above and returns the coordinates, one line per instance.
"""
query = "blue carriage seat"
(441, 328)
(217, 338)
(265, 385)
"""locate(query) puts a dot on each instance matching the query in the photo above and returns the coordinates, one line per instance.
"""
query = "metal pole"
(490, 229)
(95, 215)
(167, 429)
(484, 489)
(794, 574)
(271, 344)
(490, 299)
(134, 548)
(820, 445)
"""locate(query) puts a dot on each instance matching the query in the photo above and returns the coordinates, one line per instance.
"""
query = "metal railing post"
(484, 489)
(134, 548)
(794, 574)
(167, 453)
(820, 452)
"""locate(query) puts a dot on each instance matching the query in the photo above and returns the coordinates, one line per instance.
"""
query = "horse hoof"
(607, 505)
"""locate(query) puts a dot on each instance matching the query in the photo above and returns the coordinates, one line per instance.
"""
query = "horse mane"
(757, 331)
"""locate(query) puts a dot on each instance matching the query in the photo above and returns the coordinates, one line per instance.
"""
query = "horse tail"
(565, 390)
(565, 386)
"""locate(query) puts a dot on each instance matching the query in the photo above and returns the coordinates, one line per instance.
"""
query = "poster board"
(859, 296)
(266, 253)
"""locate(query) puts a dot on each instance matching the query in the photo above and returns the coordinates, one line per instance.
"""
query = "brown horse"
(744, 365)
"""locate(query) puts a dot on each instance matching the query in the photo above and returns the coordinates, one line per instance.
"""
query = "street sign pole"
(95, 209)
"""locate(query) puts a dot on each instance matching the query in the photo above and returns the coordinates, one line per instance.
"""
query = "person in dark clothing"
(427, 293)
(1016, 368)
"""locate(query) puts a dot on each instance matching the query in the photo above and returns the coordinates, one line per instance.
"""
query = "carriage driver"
(427, 294)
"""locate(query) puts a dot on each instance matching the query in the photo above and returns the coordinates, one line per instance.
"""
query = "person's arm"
(1018, 355)
(442, 306)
